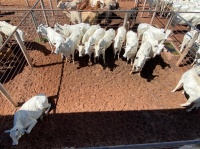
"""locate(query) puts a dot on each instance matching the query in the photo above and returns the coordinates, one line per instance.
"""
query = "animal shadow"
(150, 65)
(38, 47)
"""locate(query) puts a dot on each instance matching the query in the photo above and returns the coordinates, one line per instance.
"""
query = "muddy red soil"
(96, 105)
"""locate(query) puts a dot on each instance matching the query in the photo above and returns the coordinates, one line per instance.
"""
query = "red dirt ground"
(94, 105)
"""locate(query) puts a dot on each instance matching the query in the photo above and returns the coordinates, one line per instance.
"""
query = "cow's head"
(42, 29)
(117, 44)
(159, 48)
(89, 45)
(81, 50)
(141, 60)
(15, 134)
(99, 47)
(59, 47)
(127, 49)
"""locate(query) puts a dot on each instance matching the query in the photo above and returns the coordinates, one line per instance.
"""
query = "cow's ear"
(7, 131)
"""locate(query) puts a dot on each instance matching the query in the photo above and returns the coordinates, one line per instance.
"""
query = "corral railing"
(187, 144)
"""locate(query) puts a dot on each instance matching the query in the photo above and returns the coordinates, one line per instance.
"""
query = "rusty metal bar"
(23, 48)
(35, 25)
(45, 16)
(185, 52)
(145, 2)
(154, 14)
(169, 22)
(125, 20)
(150, 145)
(51, 7)
(7, 95)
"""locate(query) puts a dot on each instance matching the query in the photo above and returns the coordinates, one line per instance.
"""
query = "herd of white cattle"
(92, 39)
(187, 6)
(96, 40)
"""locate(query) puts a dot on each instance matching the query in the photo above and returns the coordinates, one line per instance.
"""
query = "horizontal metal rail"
(121, 10)
(149, 145)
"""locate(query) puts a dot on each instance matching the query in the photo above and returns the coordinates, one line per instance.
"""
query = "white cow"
(144, 53)
(93, 40)
(66, 29)
(149, 36)
(131, 46)
(8, 29)
(104, 43)
(142, 27)
(67, 5)
(159, 34)
(82, 26)
(119, 40)
(85, 38)
(70, 45)
(191, 85)
(26, 117)
(192, 18)
(186, 39)
(54, 38)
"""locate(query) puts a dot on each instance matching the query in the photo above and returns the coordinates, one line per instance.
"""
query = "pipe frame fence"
(3, 90)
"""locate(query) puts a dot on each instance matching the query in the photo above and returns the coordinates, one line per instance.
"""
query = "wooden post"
(23, 48)
(7, 96)
(125, 20)
(154, 14)
(51, 7)
(185, 52)
(143, 8)
(45, 16)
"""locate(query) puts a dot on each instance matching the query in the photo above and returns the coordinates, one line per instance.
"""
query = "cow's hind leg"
(179, 85)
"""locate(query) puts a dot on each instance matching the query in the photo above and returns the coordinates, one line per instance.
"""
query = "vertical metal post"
(125, 20)
(27, 3)
(136, 3)
(45, 16)
(7, 96)
(79, 17)
(51, 7)
(143, 8)
(154, 14)
(23, 48)
(169, 21)
(35, 24)
(185, 52)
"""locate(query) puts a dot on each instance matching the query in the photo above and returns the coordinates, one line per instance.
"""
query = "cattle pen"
(95, 105)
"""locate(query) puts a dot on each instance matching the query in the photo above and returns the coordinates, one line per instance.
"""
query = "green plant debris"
(43, 39)
(171, 49)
